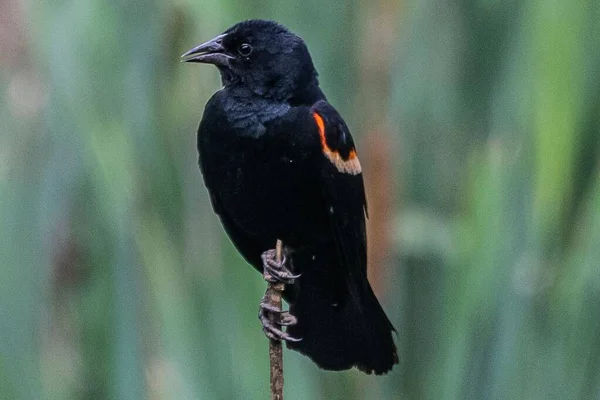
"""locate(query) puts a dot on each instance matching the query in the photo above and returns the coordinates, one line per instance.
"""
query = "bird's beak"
(211, 52)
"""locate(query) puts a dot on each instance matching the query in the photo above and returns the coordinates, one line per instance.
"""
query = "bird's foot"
(272, 318)
(274, 271)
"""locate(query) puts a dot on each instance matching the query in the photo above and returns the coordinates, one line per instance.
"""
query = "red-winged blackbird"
(279, 163)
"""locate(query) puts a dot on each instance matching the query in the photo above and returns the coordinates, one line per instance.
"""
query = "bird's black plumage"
(279, 163)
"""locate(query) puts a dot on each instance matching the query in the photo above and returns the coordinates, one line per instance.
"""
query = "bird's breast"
(270, 194)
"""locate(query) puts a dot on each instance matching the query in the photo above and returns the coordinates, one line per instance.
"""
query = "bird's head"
(261, 56)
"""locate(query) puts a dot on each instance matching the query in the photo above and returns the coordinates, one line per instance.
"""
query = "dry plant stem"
(275, 291)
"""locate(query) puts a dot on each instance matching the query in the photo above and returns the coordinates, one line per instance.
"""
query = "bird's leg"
(270, 315)
(283, 318)
(274, 271)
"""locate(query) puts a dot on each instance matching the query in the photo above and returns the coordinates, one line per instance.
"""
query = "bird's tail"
(340, 321)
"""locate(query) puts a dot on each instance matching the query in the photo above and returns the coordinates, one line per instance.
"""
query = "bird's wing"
(342, 184)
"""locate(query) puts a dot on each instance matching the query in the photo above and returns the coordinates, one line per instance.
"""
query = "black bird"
(279, 163)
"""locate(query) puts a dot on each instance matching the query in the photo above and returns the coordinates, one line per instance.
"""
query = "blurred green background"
(478, 129)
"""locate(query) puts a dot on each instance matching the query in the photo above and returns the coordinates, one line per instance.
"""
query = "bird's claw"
(287, 319)
(274, 271)
(283, 318)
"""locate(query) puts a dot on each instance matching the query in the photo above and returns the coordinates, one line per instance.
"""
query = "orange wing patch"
(349, 165)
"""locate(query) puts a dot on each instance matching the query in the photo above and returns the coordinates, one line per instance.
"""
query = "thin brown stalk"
(274, 291)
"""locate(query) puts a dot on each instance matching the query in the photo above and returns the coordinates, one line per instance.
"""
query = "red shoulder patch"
(349, 164)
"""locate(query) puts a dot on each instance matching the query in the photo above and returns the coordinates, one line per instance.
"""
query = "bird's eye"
(245, 49)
